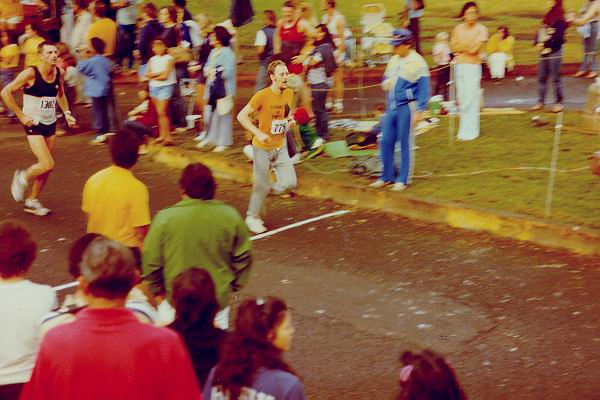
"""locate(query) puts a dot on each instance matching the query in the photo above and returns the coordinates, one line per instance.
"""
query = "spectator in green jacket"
(198, 232)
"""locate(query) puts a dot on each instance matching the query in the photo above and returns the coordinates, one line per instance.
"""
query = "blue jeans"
(319, 98)
(7, 76)
(100, 114)
(125, 44)
(590, 47)
(261, 77)
(549, 68)
(396, 127)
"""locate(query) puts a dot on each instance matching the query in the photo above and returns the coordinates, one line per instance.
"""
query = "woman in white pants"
(467, 41)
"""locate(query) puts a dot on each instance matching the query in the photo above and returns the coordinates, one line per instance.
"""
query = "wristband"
(68, 113)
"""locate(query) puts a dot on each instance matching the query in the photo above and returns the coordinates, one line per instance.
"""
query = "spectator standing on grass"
(115, 202)
(467, 42)
(150, 30)
(127, 14)
(588, 23)
(252, 364)
(183, 14)
(196, 306)
(206, 27)
(264, 47)
(102, 28)
(427, 376)
(337, 26)
(549, 41)
(9, 61)
(162, 80)
(220, 69)
(441, 56)
(22, 305)
(273, 105)
(97, 69)
(78, 42)
(198, 232)
(499, 51)
(33, 38)
(111, 355)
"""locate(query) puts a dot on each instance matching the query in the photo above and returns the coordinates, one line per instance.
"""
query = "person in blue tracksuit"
(406, 81)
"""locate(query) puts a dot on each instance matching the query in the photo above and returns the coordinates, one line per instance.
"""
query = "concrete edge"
(577, 239)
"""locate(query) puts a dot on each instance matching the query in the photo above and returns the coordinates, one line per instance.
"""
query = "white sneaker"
(255, 224)
(99, 139)
(379, 184)
(109, 134)
(317, 143)
(249, 152)
(296, 159)
(328, 105)
(219, 149)
(203, 144)
(338, 107)
(201, 136)
(35, 207)
(398, 186)
(180, 129)
(18, 186)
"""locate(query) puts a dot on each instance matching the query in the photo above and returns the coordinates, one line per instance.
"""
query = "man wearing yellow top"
(30, 46)
(115, 201)
(103, 28)
(273, 106)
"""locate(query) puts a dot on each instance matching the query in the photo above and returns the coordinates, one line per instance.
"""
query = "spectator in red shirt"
(106, 353)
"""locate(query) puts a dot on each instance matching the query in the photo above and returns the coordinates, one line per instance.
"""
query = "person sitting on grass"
(143, 120)
(427, 376)
(22, 305)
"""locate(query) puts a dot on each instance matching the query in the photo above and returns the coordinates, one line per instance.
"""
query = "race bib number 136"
(279, 126)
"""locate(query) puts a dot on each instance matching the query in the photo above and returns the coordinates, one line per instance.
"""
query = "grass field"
(522, 18)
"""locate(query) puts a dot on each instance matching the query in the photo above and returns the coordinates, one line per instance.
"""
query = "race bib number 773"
(279, 126)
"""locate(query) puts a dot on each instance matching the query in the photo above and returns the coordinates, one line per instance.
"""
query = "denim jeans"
(7, 76)
(177, 104)
(319, 98)
(261, 77)
(549, 68)
(590, 47)
(100, 114)
(125, 44)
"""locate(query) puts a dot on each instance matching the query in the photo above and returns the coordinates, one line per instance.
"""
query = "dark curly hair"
(427, 376)
(250, 346)
(17, 249)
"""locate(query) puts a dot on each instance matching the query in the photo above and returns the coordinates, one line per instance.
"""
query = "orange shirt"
(273, 112)
(10, 8)
(465, 36)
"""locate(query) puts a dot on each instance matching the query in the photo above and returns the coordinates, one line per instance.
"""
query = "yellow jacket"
(498, 45)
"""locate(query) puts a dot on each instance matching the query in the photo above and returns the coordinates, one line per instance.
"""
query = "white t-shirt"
(127, 15)
(159, 64)
(22, 306)
(261, 38)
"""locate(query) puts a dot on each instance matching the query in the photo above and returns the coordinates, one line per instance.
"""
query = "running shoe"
(201, 136)
(33, 206)
(18, 186)
(255, 224)
(99, 139)
(220, 149)
(379, 184)
(398, 186)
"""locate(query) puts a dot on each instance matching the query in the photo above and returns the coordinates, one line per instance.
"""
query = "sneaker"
(379, 184)
(296, 159)
(143, 149)
(219, 149)
(328, 105)
(180, 129)
(591, 75)
(203, 144)
(109, 134)
(537, 107)
(99, 139)
(255, 224)
(35, 207)
(338, 107)
(317, 143)
(18, 186)
(314, 152)
(398, 186)
(248, 152)
(579, 74)
(557, 108)
(201, 136)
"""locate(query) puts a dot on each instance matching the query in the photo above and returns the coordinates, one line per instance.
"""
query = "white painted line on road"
(255, 237)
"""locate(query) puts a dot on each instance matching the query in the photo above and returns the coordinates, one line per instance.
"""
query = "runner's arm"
(245, 120)
(9, 98)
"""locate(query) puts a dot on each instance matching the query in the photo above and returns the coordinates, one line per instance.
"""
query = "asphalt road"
(516, 320)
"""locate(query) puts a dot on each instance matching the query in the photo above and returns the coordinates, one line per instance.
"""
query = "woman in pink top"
(467, 41)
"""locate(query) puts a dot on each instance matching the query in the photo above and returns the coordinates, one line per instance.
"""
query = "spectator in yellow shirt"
(11, 14)
(499, 51)
(103, 28)
(30, 45)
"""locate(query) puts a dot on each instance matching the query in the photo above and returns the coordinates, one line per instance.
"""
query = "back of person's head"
(17, 249)
(108, 269)
(289, 4)
(555, 14)
(271, 17)
(36, 28)
(98, 45)
(327, 38)
(505, 31)
(427, 376)
(11, 36)
(172, 11)
(150, 10)
(82, 4)
(331, 3)
(250, 347)
(197, 182)
(77, 250)
(222, 35)
(180, 3)
(194, 297)
(100, 8)
(124, 148)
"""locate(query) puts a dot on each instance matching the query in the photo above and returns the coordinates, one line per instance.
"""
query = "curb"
(514, 226)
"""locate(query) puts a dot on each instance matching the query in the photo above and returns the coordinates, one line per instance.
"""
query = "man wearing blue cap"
(406, 80)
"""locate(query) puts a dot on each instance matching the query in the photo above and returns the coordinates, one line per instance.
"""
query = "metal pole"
(550, 192)
(363, 103)
(452, 101)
